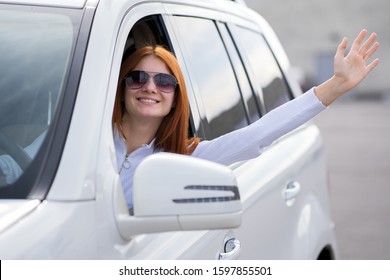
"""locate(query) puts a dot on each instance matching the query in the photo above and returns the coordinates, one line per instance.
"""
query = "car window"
(35, 51)
(152, 30)
(211, 69)
(267, 77)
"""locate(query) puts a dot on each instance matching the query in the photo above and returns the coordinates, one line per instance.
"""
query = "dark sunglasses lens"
(165, 82)
(136, 79)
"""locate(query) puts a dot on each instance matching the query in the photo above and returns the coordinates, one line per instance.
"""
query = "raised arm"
(349, 70)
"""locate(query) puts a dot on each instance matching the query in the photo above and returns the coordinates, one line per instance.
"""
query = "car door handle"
(232, 250)
(292, 190)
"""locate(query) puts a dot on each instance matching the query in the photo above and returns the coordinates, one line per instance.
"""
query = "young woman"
(151, 111)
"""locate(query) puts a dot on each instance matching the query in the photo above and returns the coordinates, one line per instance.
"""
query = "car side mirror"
(176, 192)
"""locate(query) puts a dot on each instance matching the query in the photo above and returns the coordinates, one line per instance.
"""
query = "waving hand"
(350, 69)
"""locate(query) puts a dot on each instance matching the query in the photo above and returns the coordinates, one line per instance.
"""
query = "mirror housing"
(175, 192)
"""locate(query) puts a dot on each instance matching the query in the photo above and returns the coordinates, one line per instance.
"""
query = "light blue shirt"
(242, 144)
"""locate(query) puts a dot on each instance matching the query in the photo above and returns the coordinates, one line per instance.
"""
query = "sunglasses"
(137, 79)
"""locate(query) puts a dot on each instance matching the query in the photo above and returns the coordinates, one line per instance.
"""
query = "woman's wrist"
(330, 90)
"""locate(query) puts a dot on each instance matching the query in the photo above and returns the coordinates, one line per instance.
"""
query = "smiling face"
(148, 102)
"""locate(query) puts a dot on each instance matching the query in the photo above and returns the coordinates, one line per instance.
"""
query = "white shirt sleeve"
(249, 142)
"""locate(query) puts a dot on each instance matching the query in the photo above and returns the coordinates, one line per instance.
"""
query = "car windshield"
(36, 46)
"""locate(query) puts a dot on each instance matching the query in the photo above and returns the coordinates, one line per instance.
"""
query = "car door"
(145, 23)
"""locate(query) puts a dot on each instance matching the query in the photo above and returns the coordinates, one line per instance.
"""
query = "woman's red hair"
(172, 135)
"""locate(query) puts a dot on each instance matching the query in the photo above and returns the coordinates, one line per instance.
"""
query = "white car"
(59, 67)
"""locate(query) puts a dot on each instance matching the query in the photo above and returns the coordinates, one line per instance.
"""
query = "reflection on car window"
(215, 79)
(35, 51)
(265, 68)
(247, 92)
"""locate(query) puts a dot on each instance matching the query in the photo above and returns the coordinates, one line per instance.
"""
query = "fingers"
(372, 65)
(366, 49)
(359, 39)
(341, 48)
(371, 51)
(367, 44)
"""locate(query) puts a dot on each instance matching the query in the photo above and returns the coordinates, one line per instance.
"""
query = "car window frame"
(251, 74)
(232, 50)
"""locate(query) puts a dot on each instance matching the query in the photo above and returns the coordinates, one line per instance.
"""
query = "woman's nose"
(150, 86)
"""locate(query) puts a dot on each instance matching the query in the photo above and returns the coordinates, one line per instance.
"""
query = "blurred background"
(356, 129)
(310, 31)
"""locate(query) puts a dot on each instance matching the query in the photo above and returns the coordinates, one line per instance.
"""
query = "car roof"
(56, 3)
(73, 3)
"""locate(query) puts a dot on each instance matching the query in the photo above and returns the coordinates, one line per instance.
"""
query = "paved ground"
(357, 138)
